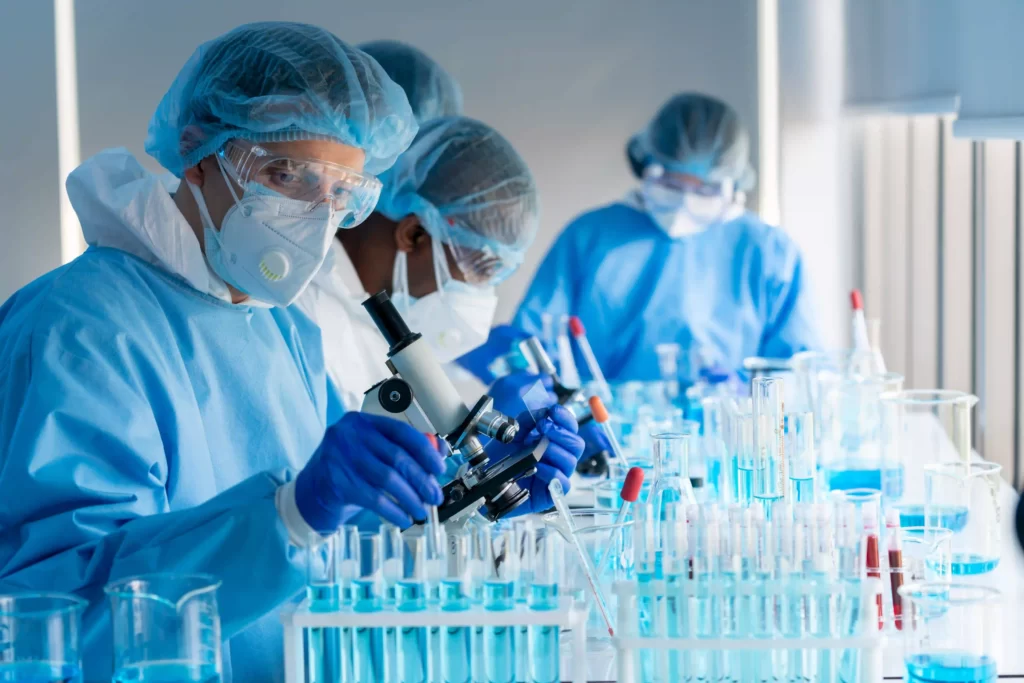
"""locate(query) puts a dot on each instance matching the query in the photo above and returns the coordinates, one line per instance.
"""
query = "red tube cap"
(576, 326)
(856, 300)
(631, 486)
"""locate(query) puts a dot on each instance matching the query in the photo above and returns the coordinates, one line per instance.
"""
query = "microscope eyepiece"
(387, 319)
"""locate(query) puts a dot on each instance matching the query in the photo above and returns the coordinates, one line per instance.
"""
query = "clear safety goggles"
(258, 170)
(706, 201)
(481, 264)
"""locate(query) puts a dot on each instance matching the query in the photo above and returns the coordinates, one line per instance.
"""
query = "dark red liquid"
(896, 580)
(874, 570)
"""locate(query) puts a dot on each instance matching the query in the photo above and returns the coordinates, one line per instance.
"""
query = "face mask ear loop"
(442, 274)
(400, 280)
(228, 178)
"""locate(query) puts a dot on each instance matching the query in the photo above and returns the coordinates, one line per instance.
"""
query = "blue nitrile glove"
(369, 462)
(595, 439)
(508, 393)
(564, 449)
(501, 341)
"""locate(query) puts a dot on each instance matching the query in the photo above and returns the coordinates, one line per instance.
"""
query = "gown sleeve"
(790, 322)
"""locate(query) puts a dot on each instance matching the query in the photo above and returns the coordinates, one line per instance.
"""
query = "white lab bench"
(1008, 577)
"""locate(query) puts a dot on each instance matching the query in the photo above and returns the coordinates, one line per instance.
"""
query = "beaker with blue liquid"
(39, 638)
(919, 428)
(949, 632)
(971, 490)
(166, 627)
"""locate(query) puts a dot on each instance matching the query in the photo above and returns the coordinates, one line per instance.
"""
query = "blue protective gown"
(734, 291)
(145, 426)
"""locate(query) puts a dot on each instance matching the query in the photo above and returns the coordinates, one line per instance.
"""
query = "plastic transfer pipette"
(629, 493)
(580, 334)
(558, 497)
(600, 414)
(861, 341)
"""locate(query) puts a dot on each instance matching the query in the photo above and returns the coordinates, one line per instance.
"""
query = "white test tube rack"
(629, 644)
(569, 616)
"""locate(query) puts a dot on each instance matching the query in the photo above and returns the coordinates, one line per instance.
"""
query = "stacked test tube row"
(504, 569)
(708, 573)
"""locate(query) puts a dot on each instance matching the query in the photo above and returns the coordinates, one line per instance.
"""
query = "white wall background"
(567, 81)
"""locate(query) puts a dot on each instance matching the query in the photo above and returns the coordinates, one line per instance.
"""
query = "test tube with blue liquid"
(411, 596)
(456, 594)
(525, 548)
(714, 445)
(675, 570)
(802, 461)
(949, 632)
(325, 656)
(500, 595)
(393, 553)
(671, 471)
(742, 458)
(708, 664)
(646, 561)
(770, 478)
(368, 596)
(39, 634)
(479, 571)
(548, 575)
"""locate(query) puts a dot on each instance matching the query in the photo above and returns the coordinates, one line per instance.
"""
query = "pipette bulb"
(632, 485)
(598, 410)
(857, 300)
(576, 326)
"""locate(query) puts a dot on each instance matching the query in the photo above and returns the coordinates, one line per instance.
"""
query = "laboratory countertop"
(1008, 577)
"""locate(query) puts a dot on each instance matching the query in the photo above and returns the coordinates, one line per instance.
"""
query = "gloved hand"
(559, 460)
(508, 393)
(591, 462)
(371, 462)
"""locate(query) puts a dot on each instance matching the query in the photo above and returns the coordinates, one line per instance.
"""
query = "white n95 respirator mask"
(455, 319)
(268, 246)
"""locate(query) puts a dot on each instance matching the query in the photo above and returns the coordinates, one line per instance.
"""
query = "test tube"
(742, 458)
(435, 567)
(645, 560)
(567, 371)
(456, 646)
(480, 571)
(367, 596)
(522, 529)
(579, 332)
(894, 551)
(548, 575)
(328, 650)
(411, 596)
(709, 663)
(675, 570)
(392, 554)
(600, 413)
(713, 443)
(668, 366)
(802, 459)
(500, 595)
(770, 479)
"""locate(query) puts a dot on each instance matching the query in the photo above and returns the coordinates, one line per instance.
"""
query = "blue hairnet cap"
(277, 81)
(467, 185)
(697, 135)
(431, 90)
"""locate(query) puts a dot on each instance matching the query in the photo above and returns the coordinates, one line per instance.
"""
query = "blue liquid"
(952, 517)
(522, 633)
(801, 489)
(39, 672)
(325, 655)
(969, 564)
(714, 481)
(710, 664)
(843, 477)
(368, 654)
(950, 667)
(766, 503)
(499, 641)
(410, 596)
(167, 672)
(543, 640)
(744, 483)
(456, 645)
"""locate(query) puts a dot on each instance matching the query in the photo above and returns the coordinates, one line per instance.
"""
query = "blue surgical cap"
(431, 90)
(277, 81)
(697, 135)
(467, 185)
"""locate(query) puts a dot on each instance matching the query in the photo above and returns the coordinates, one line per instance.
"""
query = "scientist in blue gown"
(163, 407)
(678, 260)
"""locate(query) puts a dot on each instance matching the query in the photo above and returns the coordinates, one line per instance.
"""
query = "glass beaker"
(920, 428)
(39, 635)
(816, 372)
(852, 446)
(166, 627)
(964, 498)
(949, 632)
(671, 470)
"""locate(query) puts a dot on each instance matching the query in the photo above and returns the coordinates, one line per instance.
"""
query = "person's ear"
(410, 234)
(195, 175)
